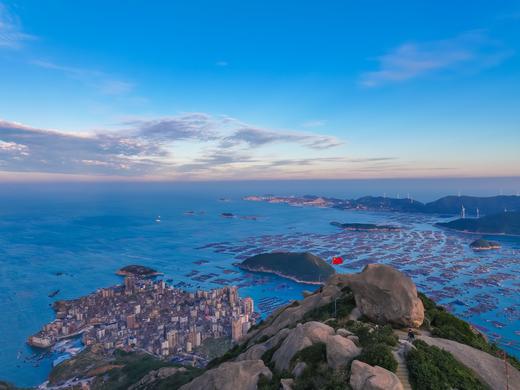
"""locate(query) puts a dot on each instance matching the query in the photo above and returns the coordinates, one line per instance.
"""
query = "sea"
(69, 239)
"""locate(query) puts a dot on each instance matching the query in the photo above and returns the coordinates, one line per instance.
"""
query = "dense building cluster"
(150, 315)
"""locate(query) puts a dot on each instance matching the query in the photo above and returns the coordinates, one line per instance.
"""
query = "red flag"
(337, 260)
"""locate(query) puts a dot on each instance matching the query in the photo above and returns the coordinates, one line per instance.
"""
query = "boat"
(52, 294)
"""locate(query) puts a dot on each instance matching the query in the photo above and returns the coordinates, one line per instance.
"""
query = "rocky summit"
(346, 334)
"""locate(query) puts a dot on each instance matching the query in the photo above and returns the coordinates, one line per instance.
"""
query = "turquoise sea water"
(73, 238)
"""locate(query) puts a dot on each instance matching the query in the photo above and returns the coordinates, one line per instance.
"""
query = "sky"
(234, 90)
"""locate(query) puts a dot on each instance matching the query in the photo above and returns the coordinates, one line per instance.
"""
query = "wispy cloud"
(255, 137)
(11, 33)
(103, 82)
(470, 51)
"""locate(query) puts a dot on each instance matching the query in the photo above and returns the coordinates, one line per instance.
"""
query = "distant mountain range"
(449, 205)
(446, 205)
(501, 223)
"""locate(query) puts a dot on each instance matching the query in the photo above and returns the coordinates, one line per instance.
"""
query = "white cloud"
(470, 51)
(103, 82)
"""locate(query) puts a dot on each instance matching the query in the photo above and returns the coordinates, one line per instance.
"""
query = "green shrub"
(379, 355)
(431, 368)
(323, 378)
(312, 355)
(374, 335)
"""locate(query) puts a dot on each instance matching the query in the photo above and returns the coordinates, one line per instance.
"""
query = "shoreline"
(269, 271)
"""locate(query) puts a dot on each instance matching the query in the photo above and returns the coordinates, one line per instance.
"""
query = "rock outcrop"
(256, 351)
(386, 295)
(290, 315)
(366, 377)
(241, 375)
(340, 351)
(299, 338)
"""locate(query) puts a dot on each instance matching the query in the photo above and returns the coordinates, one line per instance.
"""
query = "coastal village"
(151, 316)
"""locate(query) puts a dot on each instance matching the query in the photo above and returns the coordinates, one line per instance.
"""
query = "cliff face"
(345, 335)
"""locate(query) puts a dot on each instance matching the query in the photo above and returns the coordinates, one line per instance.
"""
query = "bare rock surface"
(340, 351)
(304, 335)
(241, 375)
(386, 295)
(487, 368)
(256, 351)
(366, 377)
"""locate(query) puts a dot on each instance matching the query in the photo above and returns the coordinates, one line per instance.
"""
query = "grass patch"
(431, 368)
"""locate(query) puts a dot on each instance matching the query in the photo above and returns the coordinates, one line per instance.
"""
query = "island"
(506, 223)
(300, 267)
(359, 227)
(137, 271)
(484, 245)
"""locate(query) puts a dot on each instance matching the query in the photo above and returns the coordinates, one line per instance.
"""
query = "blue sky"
(259, 89)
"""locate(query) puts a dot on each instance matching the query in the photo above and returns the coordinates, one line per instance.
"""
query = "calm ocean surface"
(74, 237)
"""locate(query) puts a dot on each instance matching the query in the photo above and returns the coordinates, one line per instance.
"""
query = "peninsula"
(300, 267)
(359, 227)
(507, 223)
(150, 316)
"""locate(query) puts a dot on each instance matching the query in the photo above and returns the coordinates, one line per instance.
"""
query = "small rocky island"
(300, 267)
(138, 271)
(484, 245)
(359, 227)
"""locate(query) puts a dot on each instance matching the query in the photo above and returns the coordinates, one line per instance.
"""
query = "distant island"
(484, 245)
(451, 205)
(364, 226)
(501, 223)
(138, 271)
(300, 267)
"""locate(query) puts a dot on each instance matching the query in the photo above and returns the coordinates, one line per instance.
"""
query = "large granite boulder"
(386, 295)
(304, 335)
(366, 377)
(340, 351)
(241, 375)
